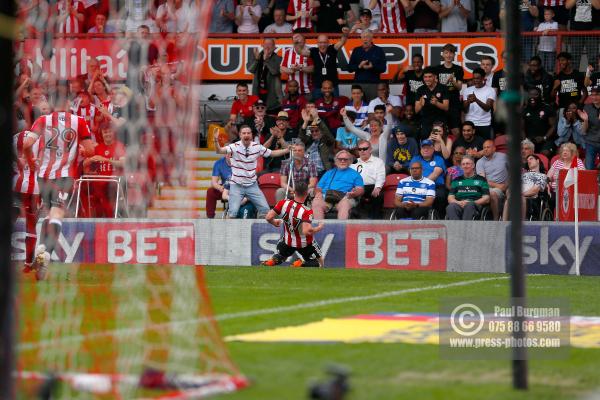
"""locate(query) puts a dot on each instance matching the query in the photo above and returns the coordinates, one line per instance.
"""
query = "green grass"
(379, 371)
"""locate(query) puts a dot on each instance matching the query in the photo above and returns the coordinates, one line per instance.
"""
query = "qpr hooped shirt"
(244, 160)
(24, 179)
(302, 8)
(393, 17)
(294, 214)
(304, 79)
(60, 134)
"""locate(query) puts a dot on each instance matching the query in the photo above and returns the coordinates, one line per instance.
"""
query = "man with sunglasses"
(372, 170)
(339, 188)
(244, 157)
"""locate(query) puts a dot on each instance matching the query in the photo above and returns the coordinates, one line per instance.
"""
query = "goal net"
(131, 70)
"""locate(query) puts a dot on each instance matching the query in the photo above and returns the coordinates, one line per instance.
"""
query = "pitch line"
(251, 313)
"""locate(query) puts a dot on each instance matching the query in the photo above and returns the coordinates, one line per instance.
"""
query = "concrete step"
(200, 163)
(171, 214)
(174, 204)
(203, 154)
(199, 182)
(173, 192)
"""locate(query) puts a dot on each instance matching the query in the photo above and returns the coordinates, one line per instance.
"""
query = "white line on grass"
(251, 313)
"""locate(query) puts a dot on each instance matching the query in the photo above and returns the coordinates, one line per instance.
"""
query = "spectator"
(547, 44)
(539, 122)
(493, 166)
(375, 12)
(591, 128)
(247, 15)
(223, 15)
(487, 64)
(359, 106)
(329, 106)
(412, 121)
(338, 188)
(415, 194)
(491, 9)
(384, 98)
(581, 20)
(527, 149)
(86, 110)
(367, 62)
(324, 57)
(319, 145)
(378, 135)
(566, 153)
(529, 13)
(276, 141)
(401, 150)
(293, 103)
(468, 193)
(561, 15)
(411, 78)
(108, 160)
(303, 14)
(432, 103)
(479, 103)
(570, 126)
(345, 139)
(393, 15)
(434, 168)
(100, 25)
(372, 170)
(499, 79)
(244, 156)
(297, 66)
(442, 142)
(92, 9)
(472, 143)
(425, 15)
(455, 170)
(172, 16)
(279, 26)
(242, 105)
(536, 76)
(533, 182)
(365, 23)
(332, 16)
(592, 77)
(568, 83)
(454, 15)
(488, 25)
(70, 15)
(219, 185)
(99, 89)
(140, 13)
(266, 82)
(451, 76)
(302, 169)
(260, 122)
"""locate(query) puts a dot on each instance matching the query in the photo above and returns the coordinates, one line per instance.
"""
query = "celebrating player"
(297, 230)
(60, 136)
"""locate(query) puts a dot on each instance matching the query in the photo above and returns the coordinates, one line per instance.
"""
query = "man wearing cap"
(280, 136)
(266, 82)
(372, 170)
(434, 168)
(365, 23)
(260, 122)
(591, 128)
(319, 146)
(401, 150)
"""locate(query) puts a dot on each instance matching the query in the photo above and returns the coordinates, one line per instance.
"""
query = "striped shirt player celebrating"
(26, 194)
(243, 183)
(60, 136)
(297, 230)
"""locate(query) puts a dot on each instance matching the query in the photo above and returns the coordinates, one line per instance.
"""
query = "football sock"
(53, 230)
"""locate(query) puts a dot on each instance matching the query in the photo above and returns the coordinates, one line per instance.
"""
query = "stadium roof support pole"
(512, 100)
(7, 278)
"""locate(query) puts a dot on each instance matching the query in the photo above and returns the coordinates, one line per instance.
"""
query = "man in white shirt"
(244, 156)
(279, 26)
(372, 170)
(478, 104)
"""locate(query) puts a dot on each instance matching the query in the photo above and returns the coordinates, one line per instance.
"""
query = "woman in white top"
(379, 135)
(247, 15)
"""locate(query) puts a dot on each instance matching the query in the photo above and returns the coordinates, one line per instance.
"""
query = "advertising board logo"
(407, 247)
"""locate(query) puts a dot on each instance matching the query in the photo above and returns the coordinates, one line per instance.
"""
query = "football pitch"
(252, 299)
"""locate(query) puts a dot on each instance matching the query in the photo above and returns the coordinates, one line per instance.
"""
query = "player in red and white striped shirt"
(59, 136)
(297, 230)
(303, 14)
(393, 15)
(297, 66)
(26, 193)
(70, 15)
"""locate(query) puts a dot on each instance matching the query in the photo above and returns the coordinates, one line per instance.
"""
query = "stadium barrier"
(455, 246)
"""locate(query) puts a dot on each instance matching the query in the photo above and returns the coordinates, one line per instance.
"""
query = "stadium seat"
(389, 191)
(269, 183)
(544, 161)
(556, 157)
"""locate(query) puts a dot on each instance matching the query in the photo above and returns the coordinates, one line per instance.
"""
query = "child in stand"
(547, 45)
